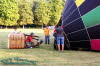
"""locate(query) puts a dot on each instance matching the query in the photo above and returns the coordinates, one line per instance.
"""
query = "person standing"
(15, 31)
(60, 37)
(47, 35)
(55, 36)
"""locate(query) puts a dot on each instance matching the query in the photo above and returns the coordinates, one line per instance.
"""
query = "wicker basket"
(16, 41)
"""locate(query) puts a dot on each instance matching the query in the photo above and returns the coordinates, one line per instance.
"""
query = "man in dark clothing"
(60, 37)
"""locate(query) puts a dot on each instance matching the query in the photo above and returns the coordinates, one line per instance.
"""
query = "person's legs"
(48, 39)
(45, 39)
(27, 44)
(62, 47)
(55, 43)
(32, 43)
(58, 43)
(38, 43)
(62, 43)
(58, 47)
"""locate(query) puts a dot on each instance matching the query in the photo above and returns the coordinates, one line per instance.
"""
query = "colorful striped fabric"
(81, 21)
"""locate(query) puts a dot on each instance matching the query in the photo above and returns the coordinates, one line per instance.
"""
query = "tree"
(56, 9)
(42, 13)
(25, 12)
(1, 21)
(8, 12)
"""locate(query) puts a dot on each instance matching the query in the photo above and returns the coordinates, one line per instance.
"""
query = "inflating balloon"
(81, 23)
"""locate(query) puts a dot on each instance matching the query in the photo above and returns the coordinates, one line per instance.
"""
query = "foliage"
(48, 12)
(25, 12)
(56, 9)
(43, 12)
(8, 12)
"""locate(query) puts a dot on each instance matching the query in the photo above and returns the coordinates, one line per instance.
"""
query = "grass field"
(45, 55)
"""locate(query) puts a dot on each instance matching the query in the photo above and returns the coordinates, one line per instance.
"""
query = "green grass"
(45, 55)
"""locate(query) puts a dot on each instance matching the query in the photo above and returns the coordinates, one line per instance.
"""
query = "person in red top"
(30, 41)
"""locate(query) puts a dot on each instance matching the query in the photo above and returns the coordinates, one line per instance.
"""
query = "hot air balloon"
(81, 23)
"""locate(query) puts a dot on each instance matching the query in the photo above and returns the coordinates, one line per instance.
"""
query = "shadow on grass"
(17, 61)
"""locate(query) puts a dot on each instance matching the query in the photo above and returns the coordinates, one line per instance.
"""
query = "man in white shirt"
(15, 30)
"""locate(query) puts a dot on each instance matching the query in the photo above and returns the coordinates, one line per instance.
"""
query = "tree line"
(27, 12)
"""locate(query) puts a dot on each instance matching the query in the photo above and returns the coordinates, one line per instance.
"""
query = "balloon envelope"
(81, 22)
